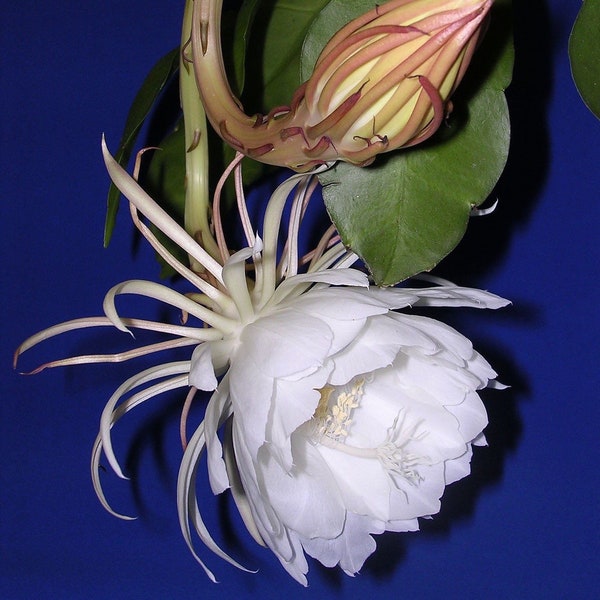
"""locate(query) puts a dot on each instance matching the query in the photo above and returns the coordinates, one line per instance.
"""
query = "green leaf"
(331, 19)
(409, 209)
(277, 39)
(144, 100)
(241, 39)
(584, 53)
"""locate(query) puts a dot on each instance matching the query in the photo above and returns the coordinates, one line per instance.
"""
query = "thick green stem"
(197, 197)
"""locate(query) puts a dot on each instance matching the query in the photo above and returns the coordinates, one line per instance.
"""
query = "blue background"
(526, 524)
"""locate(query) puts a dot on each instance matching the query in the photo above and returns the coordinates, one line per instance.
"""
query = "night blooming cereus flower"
(340, 417)
(379, 84)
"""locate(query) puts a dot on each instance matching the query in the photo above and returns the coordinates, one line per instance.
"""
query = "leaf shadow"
(488, 238)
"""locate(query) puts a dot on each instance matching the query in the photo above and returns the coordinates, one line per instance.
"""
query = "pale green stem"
(197, 198)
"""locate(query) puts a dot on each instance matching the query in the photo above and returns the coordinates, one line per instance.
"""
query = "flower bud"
(379, 84)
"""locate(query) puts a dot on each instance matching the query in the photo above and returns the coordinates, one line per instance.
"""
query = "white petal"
(438, 437)
(480, 440)
(306, 500)
(457, 468)
(364, 485)
(456, 347)
(286, 342)
(342, 303)
(202, 373)
(375, 347)
(237, 490)
(454, 295)
(217, 410)
(351, 548)
(471, 416)
(411, 501)
(344, 332)
(402, 525)
(267, 522)
(234, 277)
(296, 566)
(432, 381)
(187, 505)
(336, 277)
(345, 311)
(136, 195)
(283, 543)
(109, 414)
(251, 393)
(480, 368)
(294, 403)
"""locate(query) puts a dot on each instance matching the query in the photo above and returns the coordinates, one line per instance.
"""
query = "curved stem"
(197, 198)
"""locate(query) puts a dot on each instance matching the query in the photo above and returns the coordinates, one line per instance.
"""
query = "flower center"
(330, 427)
(334, 412)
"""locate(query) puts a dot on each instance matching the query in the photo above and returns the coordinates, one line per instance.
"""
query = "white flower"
(348, 418)
(342, 417)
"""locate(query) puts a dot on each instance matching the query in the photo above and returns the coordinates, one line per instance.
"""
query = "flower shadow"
(150, 438)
